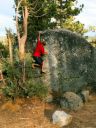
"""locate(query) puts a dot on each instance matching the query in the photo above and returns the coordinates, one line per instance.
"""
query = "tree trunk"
(22, 48)
(10, 50)
(22, 39)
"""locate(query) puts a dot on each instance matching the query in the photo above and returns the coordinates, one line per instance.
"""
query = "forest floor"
(33, 113)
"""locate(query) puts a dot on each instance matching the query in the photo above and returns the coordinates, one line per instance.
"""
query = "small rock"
(84, 95)
(61, 118)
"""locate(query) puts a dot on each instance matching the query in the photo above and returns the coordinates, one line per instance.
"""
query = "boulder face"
(68, 61)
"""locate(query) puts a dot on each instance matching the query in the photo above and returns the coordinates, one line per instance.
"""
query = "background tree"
(65, 9)
(62, 11)
(34, 10)
(21, 7)
(75, 26)
(92, 28)
(39, 15)
(41, 12)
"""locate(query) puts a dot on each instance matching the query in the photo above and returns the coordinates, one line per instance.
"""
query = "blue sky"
(87, 16)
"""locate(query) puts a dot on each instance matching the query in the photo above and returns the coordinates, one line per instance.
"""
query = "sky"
(87, 16)
(6, 16)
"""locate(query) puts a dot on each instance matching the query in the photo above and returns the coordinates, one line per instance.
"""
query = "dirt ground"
(32, 113)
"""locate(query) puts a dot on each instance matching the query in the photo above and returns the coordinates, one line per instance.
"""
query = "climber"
(39, 52)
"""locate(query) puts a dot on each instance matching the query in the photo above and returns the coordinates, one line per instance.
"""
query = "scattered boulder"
(61, 118)
(71, 101)
(84, 95)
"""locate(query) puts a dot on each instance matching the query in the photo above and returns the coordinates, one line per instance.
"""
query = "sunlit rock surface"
(61, 118)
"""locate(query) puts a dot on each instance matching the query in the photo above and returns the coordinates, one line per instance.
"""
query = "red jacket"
(39, 50)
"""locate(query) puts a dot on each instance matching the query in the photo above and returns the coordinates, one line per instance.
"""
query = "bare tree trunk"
(22, 39)
(10, 49)
(22, 57)
(22, 48)
(1, 77)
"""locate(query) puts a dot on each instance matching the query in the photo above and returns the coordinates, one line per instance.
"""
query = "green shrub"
(28, 89)
(10, 90)
(35, 89)
(15, 87)
(3, 51)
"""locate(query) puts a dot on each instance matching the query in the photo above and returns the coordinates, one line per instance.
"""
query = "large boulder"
(69, 61)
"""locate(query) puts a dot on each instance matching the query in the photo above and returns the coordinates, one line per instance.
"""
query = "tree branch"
(18, 5)
(41, 15)
(34, 4)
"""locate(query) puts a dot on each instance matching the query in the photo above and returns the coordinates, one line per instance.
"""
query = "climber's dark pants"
(38, 60)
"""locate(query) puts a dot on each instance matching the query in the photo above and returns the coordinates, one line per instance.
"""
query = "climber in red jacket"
(38, 53)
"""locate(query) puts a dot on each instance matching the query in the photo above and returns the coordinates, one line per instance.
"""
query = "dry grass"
(33, 113)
